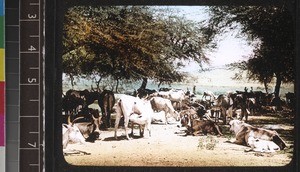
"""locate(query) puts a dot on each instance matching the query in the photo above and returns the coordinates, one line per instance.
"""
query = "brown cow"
(106, 101)
(198, 126)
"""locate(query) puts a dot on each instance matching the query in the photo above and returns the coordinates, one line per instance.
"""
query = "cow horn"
(69, 119)
(76, 120)
(93, 117)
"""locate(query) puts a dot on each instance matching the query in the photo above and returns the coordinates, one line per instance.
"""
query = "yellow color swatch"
(2, 65)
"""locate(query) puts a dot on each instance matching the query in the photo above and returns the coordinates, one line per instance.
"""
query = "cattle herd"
(83, 122)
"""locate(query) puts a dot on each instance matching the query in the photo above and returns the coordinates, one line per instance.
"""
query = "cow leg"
(248, 150)
(241, 138)
(180, 105)
(108, 119)
(196, 133)
(278, 140)
(116, 126)
(149, 129)
(118, 117)
(223, 113)
(239, 141)
(251, 111)
(246, 114)
(141, 130)
(166, 118)
(213, 114)
(132, 125)
(219, 133)
(242, 114)
(126, 121)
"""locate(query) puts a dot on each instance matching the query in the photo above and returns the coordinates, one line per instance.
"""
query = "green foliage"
(270, 29)
(207, 142)
(130, 42)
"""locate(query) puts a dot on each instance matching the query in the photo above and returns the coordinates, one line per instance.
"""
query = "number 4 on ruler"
(32, 48)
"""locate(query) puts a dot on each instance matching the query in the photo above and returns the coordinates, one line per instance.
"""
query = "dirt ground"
(168, 147)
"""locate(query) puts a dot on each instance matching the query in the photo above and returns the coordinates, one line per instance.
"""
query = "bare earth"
(166, 147)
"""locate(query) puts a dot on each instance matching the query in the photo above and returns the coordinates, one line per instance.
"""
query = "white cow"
(142, 114)
(129, 105)
(71, 134)
(160, 104)
(159, 117)
(260, 145)
(258, 139)
(209, 94)
(176, 96)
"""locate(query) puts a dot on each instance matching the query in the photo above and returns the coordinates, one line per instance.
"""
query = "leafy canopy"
(270, 29)
(131, 42)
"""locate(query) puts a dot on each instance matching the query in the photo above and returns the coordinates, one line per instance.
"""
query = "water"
(217, 89)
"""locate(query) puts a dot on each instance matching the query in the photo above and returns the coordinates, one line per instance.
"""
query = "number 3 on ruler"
(32, 16)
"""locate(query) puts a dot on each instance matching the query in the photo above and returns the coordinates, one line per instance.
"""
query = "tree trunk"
(266, 86)
(72, 81)
(117, 85)
(144, 83)
(98, 83)
(277, 101)
(159, 84)
(277, 86)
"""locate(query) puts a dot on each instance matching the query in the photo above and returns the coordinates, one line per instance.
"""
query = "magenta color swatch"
(2, 129)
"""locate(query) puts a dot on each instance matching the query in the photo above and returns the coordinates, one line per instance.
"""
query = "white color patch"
(2, 158)
(259, 145)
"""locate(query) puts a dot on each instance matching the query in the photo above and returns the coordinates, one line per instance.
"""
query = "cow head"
(71, 134)
(184, 120)
(235, 125)
(176, 115)
(201, 111)
(96, 122)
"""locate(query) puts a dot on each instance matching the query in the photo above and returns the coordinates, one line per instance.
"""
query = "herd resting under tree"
(145, 107)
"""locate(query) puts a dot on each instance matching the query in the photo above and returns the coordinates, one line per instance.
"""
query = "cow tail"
(111, 101)
(278, 140)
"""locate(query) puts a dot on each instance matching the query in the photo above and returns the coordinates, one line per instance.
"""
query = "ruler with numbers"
(24, 85)
(31, 86)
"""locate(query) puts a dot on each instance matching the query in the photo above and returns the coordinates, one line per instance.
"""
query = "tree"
(270, 29)
(131, 42)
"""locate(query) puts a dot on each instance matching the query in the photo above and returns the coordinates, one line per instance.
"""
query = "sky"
(230, 49)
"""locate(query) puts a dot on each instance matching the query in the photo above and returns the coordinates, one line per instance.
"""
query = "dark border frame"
(54, 160)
